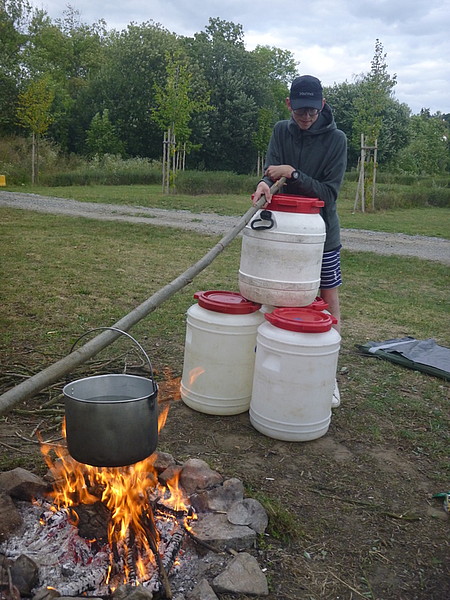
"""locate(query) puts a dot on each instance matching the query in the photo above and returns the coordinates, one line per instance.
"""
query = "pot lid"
(226, 302)
(295, 204)
(303, 320)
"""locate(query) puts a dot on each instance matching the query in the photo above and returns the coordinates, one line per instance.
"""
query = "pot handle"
(123, 333)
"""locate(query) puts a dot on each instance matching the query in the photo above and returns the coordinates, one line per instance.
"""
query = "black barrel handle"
(264, 222)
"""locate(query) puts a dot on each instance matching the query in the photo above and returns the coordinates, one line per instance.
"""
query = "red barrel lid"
(226, 302)
(318, 304)
(304, 320)
(295, 204)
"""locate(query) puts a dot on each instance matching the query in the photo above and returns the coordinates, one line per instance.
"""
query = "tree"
(375, 90)
(101, 136)
(175, 104)
(428, 150)
(14, 15)
(232, 76)
(370, 104)
(262, 135)
(72, 53)
(33, 113)
(135, 60)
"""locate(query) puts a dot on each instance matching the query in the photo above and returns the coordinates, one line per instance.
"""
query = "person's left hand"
(275, 172)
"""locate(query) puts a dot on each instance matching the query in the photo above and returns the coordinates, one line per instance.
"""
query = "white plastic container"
(296, 359)
(281, 255)
(219, 355)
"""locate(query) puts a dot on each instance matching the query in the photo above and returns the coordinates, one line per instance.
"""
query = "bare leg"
(331, 297)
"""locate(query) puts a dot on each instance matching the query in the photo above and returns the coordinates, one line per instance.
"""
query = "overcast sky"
(331, 39)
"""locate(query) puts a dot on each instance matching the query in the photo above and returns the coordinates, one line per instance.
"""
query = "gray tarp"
(420, 355)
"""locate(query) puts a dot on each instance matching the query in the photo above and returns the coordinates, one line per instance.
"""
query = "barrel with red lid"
(295, 368)
(281, 255)
(219, 354)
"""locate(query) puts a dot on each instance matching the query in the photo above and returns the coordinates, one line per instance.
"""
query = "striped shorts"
(330, 275)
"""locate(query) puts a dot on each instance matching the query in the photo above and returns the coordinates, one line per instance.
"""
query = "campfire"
(100, 530)
(122, 515)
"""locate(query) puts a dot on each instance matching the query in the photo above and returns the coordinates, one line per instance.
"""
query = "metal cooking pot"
(112, 420)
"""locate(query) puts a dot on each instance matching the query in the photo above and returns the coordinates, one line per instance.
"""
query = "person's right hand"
(262, 189)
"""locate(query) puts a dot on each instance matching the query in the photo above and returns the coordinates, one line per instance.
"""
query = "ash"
(74, 566)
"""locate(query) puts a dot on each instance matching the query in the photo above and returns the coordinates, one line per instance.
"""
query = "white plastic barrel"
(219, 355)
(295, 368)
(281, 255)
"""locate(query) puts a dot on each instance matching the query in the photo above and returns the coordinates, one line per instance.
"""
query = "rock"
(216, 530)
(10, 518)
(219, 498)
(249, 512)
(78, 598)
(21, 484)
(202, 591)
(129, 592)
(163, 461)
(197, 475)
(170, 473)
(46, 594)
(242, 576)
(24, 574)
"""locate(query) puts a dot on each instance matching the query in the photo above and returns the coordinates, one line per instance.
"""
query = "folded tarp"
(420, 355)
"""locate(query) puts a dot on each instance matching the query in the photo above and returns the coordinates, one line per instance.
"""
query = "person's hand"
(262, 189)
(276, 172)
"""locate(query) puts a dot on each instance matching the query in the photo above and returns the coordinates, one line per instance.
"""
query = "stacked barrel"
(287, 384)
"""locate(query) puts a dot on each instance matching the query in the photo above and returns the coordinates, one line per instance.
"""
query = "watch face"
(294, 175)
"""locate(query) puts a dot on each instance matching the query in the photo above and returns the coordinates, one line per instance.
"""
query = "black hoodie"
(320, 155)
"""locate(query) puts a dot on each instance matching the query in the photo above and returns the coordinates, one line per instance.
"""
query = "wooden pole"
(58, 370)
(374, 186)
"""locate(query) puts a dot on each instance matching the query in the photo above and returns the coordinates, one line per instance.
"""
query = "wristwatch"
(295, 175)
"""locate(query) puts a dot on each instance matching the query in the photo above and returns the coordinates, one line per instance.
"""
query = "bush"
(390, 198)
(214, 182)
(108, 170)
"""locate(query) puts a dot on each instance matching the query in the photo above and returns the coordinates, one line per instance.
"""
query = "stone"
(219, 498)
(23, 485)
(10, 518)
(170, 473)
(197, 475)
(202, 591)
(46, 594)
(24, 574)
(216, 530)
(242, 576)
(249, 512)
(129, 592)
(163, 461)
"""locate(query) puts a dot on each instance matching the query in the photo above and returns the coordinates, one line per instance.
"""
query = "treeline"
(94, 91)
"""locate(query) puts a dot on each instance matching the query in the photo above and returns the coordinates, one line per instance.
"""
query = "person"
(311, 153)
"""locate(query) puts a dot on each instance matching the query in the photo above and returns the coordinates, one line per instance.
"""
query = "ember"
(143, 523)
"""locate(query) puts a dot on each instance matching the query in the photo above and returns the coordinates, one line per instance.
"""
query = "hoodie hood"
(324, 124)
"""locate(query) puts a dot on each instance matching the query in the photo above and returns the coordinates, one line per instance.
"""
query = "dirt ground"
(351, 516)
(348, 519)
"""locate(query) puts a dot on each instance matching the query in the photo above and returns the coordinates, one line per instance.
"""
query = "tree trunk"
(33, 158)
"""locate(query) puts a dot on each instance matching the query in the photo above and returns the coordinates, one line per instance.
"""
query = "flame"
(125, 491)
(162, 417)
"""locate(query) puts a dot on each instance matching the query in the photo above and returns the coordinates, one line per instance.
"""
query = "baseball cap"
(306, 91)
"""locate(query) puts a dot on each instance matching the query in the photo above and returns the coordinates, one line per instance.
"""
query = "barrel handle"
(266, 215)
(121, 332)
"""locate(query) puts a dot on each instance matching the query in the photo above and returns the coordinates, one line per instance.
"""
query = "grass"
(64, 276)
(426, 220)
